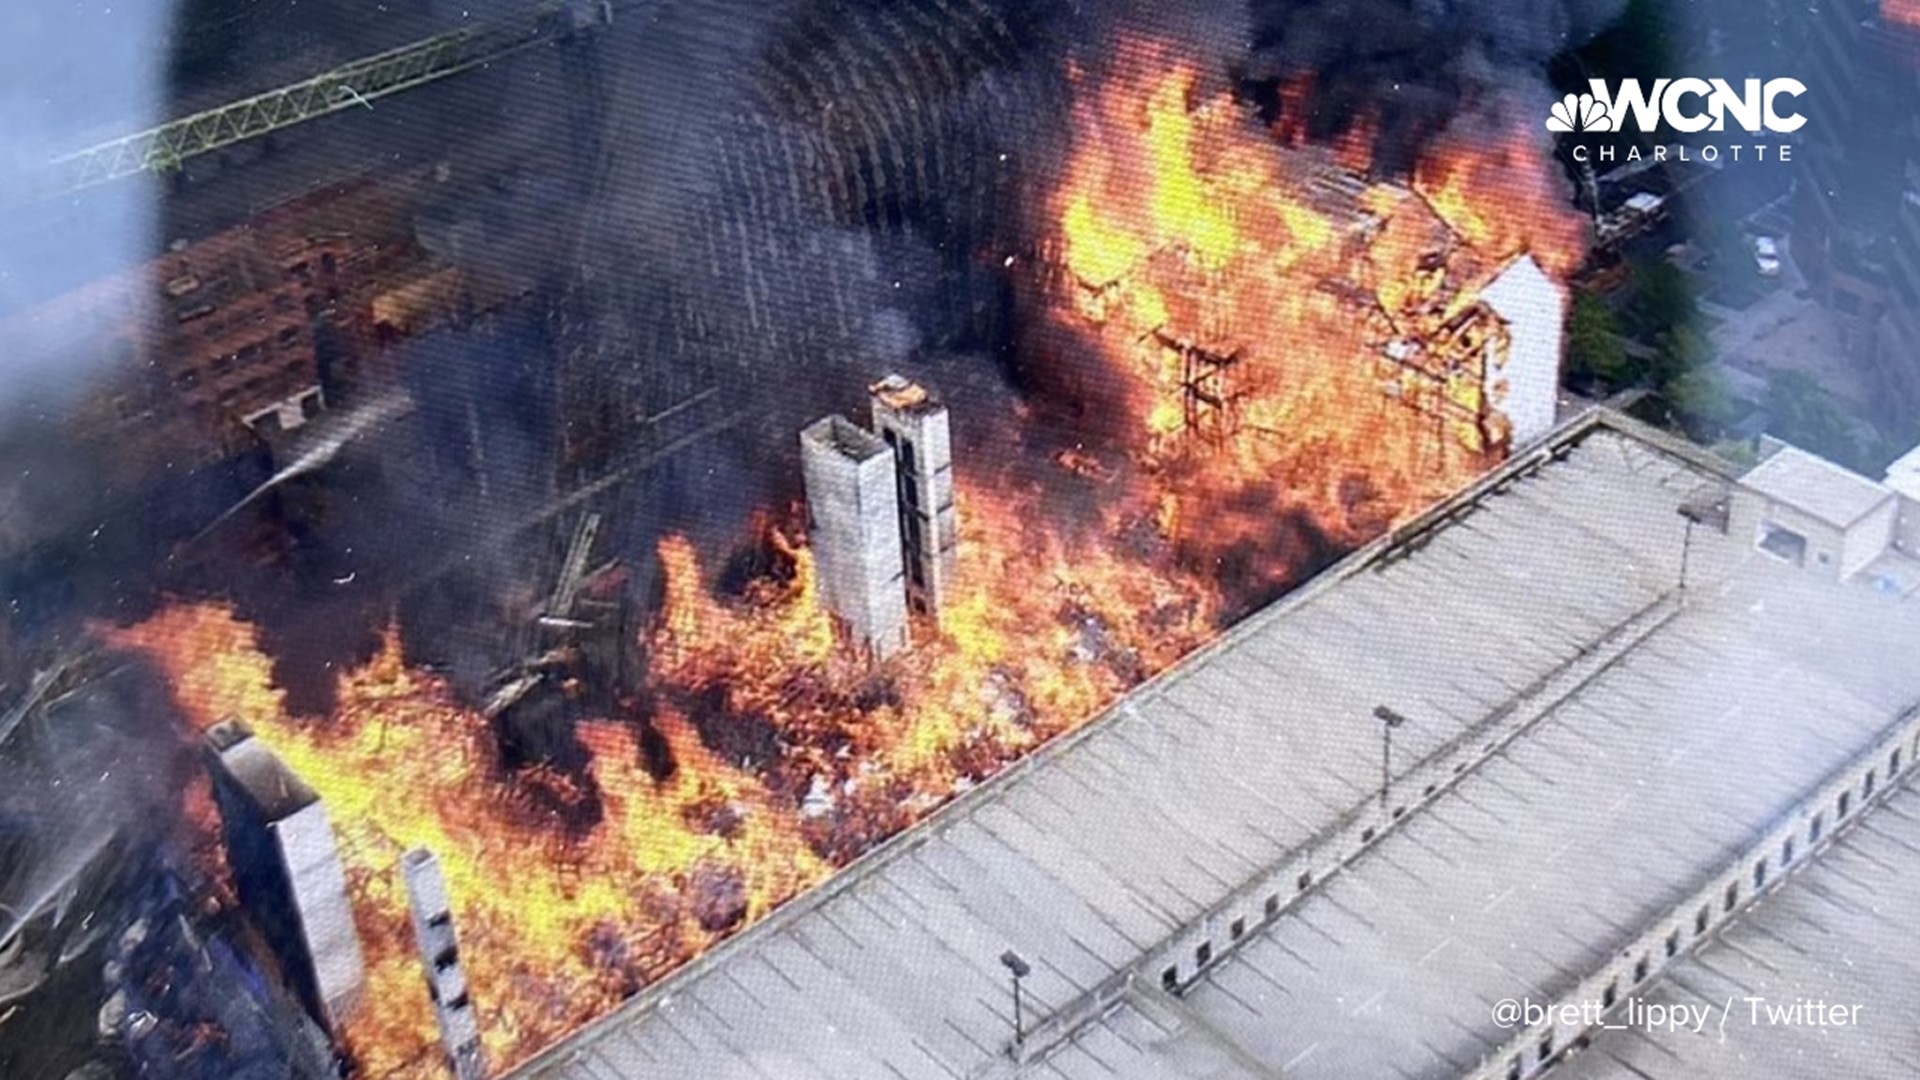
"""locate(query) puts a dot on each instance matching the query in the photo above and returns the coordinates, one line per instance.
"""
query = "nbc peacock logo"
(1579, 112)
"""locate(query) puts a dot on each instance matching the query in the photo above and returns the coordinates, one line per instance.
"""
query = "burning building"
(1230, 276)
(287, 868)
(1238, 355)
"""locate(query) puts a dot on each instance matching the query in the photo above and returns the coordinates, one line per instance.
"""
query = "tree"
(1736, 452)
(1662, 299)
(1678, 352)
(1801, 411)
(1721, 241)
(1595, 351)
(1701, 399)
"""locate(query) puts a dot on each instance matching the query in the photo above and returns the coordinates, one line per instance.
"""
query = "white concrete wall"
(433, 932)
(1825, 544)
(1756, 870)
(854, 510)
(319, 885)
(926, 431)
(1527, 387)
(1869, 538)
(1906, 532)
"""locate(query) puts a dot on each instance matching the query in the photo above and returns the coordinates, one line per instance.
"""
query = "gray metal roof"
(1839, 931)
(1088, 855)
(1816, 486)
(1536, 869)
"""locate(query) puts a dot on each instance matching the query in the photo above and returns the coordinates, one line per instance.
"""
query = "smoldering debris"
(97, 958)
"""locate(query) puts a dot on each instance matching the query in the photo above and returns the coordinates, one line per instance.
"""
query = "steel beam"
(352, 86)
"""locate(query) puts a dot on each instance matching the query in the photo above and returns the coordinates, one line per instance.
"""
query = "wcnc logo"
(1683, 105)
(1755, 106)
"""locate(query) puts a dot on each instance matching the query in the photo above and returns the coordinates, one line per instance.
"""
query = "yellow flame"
(1184, 211)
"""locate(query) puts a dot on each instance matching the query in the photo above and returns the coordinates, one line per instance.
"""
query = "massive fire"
(560, 927)
(1262, 305)
(1238, 294)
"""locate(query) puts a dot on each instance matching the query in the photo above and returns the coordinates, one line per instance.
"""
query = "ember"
(1298, 356)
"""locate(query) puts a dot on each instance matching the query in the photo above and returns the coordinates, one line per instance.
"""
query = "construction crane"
(354, 85)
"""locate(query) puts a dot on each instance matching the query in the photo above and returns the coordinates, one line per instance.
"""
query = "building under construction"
(801, 211)
(913, 424)
(446, 976)
(1464, 335)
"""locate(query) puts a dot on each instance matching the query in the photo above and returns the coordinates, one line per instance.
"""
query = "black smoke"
(91, 771)
(1418, 65)
(771, 205)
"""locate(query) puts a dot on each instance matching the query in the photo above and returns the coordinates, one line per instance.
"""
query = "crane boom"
(350, 86)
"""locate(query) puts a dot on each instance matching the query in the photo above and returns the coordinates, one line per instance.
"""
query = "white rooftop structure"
(1547, 862)
(853, 525)
(1210, 881)
(1903, 475)
(1645, 202)
(1816, 515)
(1817, 486)
(1526, 387)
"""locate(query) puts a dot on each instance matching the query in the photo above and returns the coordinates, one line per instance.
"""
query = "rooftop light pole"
(1686, 546)
(1014, 963)
(1709, 506)
(1388, 721)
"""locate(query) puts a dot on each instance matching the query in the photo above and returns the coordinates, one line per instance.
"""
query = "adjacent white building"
(1523, 380)
(1809, 512)
(1903, 476)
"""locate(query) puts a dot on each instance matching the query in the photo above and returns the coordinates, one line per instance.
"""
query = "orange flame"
(1243, 288)
(1237, 287)
(1493, 188)
(1353, 148)
(1296, 96)
(557, 931)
